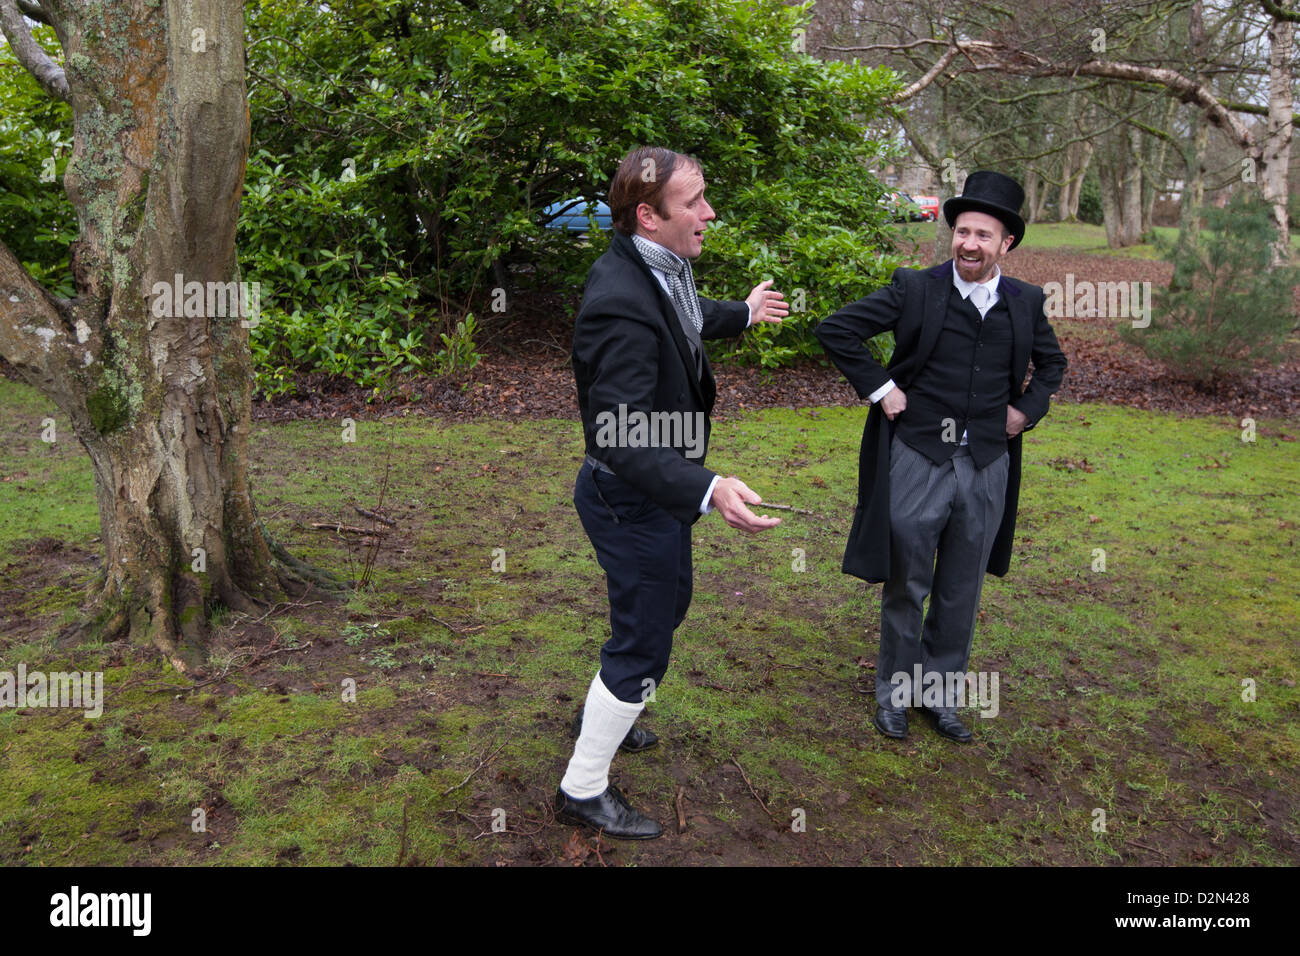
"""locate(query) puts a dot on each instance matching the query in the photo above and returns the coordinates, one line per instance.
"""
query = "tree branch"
(29, 53)
(1255, 110)
(32, 11)
(1278, 12)
(985, 55)
(33, 336)
(931, 74)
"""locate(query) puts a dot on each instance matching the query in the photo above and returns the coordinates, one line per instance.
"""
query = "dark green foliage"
(463, 122)
(403, 152)
(1226, 307)
(334, 296)
(37, 222)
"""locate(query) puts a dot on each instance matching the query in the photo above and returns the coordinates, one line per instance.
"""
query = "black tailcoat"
(629, 349)
(913, 306)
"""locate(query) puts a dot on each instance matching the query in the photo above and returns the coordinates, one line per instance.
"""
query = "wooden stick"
(752, 790)
(481, 764)
(347, 529)
(1144, 846)
(374, 516)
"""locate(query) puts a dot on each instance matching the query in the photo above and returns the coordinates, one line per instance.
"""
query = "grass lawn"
(1074, 237)
(1144, 644)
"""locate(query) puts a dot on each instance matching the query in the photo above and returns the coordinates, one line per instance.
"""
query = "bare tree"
(1051, 40)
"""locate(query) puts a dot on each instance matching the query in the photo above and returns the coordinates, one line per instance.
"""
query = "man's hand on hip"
(1016, 421)
(766, 304)
(730, 495)
(893, 403)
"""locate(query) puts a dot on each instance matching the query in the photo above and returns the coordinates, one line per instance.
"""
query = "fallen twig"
(511, 522)
(284, 604)
(453, 628)
(347, 529)
(406, 806)
(752, 790)
(374, 516)
(481, 764)
(681, 810)
(1143, 846)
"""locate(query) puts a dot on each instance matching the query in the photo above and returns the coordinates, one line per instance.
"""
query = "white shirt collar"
(966, 288)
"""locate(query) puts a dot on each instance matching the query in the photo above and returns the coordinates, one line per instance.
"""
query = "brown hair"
(631, 186)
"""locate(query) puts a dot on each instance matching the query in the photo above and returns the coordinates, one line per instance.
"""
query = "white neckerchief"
(966, 288)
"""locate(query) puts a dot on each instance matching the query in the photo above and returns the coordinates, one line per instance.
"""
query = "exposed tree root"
(295, 571)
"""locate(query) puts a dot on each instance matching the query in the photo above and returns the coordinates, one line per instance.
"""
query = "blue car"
(570, 215)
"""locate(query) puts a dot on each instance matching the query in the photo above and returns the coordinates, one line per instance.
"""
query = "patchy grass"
(1121, 690)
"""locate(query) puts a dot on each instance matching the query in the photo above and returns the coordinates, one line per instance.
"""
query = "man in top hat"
(939, 466)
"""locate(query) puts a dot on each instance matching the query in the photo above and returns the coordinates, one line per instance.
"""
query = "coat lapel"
(668, 312)
(1022, 333)
(934, 311)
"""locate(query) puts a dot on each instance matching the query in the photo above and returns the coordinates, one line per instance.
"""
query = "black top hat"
(999, 196)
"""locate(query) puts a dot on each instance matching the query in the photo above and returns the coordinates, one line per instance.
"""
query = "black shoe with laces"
(610, 813)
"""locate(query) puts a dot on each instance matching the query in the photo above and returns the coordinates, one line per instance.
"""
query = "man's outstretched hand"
(730, 495)
(766, 304)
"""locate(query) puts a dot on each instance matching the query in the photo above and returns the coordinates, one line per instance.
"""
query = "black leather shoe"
(947, 724)
(891, 723)
(637, 738)
(609, 813)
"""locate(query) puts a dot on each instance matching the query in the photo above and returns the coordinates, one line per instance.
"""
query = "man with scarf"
(638, 357)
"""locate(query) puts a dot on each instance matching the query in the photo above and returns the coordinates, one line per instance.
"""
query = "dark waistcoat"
(964, 386)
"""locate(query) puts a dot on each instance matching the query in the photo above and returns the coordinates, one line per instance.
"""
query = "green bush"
(427, 138)
(1227, 307)
(403, 154)
(818, 274)
(37, 221)
(338, 301)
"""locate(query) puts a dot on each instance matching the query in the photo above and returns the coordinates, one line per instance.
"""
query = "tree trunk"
(1193, 197)
(1031, 194)
(159, 397)
(1110, 215)
(1156, 179)
(1131, 197)
(1121, 188)
(1075, 185)
(1275, 157)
